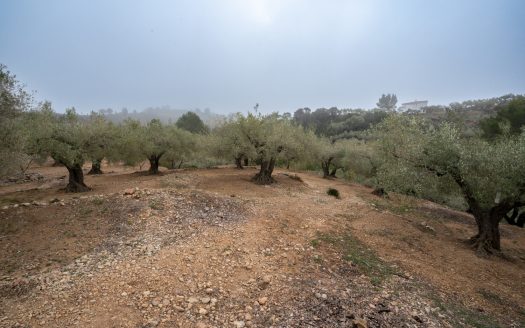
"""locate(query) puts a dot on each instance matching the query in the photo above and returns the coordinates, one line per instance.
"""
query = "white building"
(413, 105)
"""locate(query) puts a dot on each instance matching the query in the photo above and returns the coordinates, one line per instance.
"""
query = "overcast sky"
(228, 55)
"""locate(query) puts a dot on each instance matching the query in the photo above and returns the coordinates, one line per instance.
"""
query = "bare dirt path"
(207, 248)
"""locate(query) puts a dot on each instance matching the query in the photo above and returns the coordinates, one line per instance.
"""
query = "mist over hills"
(166, 114)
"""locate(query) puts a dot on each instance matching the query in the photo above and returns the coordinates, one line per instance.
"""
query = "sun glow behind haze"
(265, 13)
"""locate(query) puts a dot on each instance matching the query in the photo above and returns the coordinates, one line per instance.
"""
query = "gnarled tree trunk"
(325, 164)
(95, 167)
(246, 161)
(154, 164)
(487, 240)
(238, 163)
(76, 179)
(264, 177)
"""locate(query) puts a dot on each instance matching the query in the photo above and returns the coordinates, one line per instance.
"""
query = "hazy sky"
(228, 55)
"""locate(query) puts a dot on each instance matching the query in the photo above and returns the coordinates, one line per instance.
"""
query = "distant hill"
(165, 114)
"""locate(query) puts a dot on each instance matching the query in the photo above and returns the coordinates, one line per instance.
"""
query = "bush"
(333, 192)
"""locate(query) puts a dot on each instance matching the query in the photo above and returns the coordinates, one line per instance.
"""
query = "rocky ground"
(209, 249)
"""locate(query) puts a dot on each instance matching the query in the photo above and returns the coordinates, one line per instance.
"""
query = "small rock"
(359, 323)
(205, 300)
(262, 300)
(193, 300)
(239, 324)
(129, 191)
(203, 311)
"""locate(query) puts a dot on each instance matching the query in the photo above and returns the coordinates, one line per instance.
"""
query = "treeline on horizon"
(468, 155)
(333, 122)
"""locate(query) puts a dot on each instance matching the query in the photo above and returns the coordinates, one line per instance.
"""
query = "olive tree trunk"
(154, 164)
(95, 167)
(264, 177)
(238, 163)
(76, 179)
(487, 240)
(325, 164)
(246, 161)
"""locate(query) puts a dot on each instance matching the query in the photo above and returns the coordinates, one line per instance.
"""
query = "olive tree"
(270, 138)
(490, 176)
(14, 101)
(183, 145)
(330, 154)
(101, 141)
(151, 141)
(64, 138)
(229, 142)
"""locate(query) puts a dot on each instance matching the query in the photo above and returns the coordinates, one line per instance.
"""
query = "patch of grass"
(97, 201)
(315, 243)
(462, 316)
(8, 227)
(396, 207)
(367, 261)
(359, 255)
(70, 234)
(318, 259)
(156, 205)
(333, 192)
(85, 211)
(491, 297)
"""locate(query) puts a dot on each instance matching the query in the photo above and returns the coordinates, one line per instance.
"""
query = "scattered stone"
(359, 323)
(239, 324)
(262, 300)
(129, 192)
(193, 300)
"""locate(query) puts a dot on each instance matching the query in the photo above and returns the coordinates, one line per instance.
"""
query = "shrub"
(333, 192)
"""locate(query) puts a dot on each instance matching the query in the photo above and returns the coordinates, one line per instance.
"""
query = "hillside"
(165, 114)
(208, 248)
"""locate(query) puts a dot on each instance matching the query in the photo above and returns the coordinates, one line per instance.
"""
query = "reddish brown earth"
(208, 248)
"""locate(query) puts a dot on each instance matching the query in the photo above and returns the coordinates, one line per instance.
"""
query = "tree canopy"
(387, 102)
(509, 119)
(14, 101)
(192, 122)
(490, 176)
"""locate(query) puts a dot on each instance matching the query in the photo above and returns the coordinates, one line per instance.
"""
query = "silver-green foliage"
(490, 176)
(14, 101)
